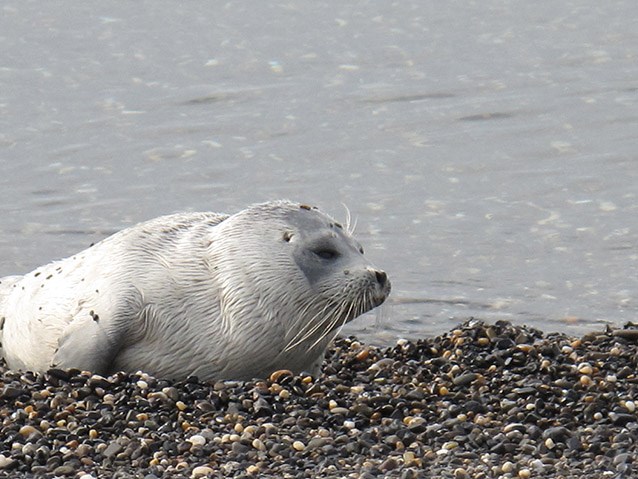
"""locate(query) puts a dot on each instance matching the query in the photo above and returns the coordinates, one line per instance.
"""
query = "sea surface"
(487, 150)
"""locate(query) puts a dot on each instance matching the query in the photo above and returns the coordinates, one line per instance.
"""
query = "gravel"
(482, 401)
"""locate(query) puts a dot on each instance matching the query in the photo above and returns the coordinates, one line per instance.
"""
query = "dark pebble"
(464, 379)
(64, 470)
(558, 434)
(9, 392)
(622, 419)
(112, 449)
(389, 464)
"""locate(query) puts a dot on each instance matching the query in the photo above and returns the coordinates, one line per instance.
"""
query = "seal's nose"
(382, 277)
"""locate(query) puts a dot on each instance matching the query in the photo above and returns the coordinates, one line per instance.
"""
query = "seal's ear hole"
(287, 236)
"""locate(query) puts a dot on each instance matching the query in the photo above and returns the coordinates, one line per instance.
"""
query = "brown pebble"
(363, 354)
(27, 430)
(276, 376)
(389, 464)
(628, 334)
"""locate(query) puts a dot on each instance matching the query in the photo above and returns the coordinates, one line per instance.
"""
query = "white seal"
(201, 294)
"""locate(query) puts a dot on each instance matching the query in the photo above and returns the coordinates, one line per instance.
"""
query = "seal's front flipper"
(86, 345)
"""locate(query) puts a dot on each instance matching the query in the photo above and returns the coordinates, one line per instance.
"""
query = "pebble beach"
(482, 401)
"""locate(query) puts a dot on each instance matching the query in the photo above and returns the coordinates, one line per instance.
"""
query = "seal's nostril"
(381, 277)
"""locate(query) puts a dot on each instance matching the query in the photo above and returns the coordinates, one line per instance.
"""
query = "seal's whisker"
(328, 324)
(309, 328)
(348, 218)
(333, 320)
(294, 341)
(345, 313)
(350, 227)
(336, 318)
(328, 318)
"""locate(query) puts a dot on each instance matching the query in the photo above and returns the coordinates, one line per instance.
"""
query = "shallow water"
(487, 150)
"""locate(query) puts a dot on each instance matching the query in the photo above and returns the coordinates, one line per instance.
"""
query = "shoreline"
(483, 400)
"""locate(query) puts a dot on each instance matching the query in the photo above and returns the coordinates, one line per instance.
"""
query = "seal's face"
(346, 285)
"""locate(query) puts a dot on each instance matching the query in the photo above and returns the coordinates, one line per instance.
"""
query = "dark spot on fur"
(94, 315)
(37, 274)
(97, 290)
(50, 276)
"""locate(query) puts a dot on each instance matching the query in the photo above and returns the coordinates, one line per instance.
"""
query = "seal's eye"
(361, 249)
(326, 253)
(287, 236)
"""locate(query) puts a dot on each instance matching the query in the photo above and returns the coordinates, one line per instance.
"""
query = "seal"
(195, 294)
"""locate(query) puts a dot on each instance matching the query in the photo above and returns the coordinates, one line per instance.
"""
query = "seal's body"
(202, 294)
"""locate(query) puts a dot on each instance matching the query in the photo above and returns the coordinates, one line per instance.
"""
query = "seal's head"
(308, 273)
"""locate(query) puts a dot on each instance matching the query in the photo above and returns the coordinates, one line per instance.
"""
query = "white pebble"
(197, 440)
(538, 465)
(201, 471)
(630, 406)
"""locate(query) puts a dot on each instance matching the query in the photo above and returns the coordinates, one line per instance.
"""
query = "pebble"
(485, 400)
(525, 473)
(201, 471)
(460, 473)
